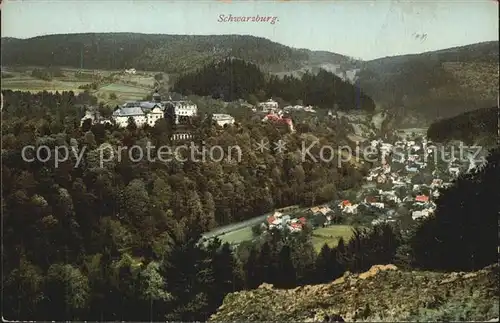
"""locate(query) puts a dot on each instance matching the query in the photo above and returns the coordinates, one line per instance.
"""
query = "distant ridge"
(158, 52)
(436, 84)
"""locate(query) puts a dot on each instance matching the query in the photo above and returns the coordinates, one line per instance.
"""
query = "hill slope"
(168, 53)
(381, 294)
(478, 126)
(436, 84)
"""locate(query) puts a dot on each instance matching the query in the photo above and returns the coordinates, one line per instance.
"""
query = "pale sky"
(362, 29)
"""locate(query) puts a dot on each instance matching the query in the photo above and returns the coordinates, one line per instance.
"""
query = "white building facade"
(223, 119)
(269, 106)
(121, 116)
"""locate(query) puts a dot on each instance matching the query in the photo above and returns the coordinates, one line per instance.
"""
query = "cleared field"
(118, 87)
(139, 80)
(24, 83)
(330, 235)
(126, 88)
(244, 234)
(123, 93)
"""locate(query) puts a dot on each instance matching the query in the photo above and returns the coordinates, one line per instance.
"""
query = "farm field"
(123, 92)
(330, 235)
(27, 83)
(125, 87)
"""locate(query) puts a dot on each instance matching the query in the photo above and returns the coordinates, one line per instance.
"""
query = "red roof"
(296, 225)
(270, 219)
(422, 198)
(302, 220)
(272, 117)
(346, 202)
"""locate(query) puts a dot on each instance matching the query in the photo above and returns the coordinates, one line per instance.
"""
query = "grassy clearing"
(330, 235)
(123, 93)
(244, 234)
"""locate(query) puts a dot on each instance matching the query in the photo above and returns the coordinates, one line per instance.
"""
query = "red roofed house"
(344, 203)
(270, 220)
(296, 227)
(279, 119)
(422, 198)
(302, 220)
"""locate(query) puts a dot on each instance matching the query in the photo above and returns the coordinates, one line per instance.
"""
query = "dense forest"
(155, 52)
(470, 127)
(233, 79)
(120, 240)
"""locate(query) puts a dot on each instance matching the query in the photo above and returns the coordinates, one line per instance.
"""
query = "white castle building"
(141, 116)
(145, 112)
(181, 110)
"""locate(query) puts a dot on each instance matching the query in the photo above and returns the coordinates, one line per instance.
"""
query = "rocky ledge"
(384, 293)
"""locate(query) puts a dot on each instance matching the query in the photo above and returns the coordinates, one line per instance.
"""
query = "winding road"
(235, 226)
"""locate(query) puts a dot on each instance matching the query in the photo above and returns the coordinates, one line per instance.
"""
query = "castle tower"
(156, 97)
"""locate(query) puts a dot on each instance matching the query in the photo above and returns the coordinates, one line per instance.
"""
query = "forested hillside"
(234, 79)
(435, 84)
(479, 126)
(167, 53)
(117, 239)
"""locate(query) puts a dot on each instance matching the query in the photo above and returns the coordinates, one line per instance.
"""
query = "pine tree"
(252, 277)
(324, 264)
(286, 277)
(265, 264)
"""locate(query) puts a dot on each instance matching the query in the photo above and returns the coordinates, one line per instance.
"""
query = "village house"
(374, 143)
(415, 148)
(422, 198)
(398, 182)
(385, 147)
(390, 196)
(130, 71)
(269, 106)
(351, 209)
(419, 214)
(295, 227)
(454, 171)
(374, 201)
(299, 108)
(344, 204)
(436, 182)
(324, 210)
(410, 143)
(279, 120)
(383, 220)
(381, 179)
(411, 169)
(223, 119)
